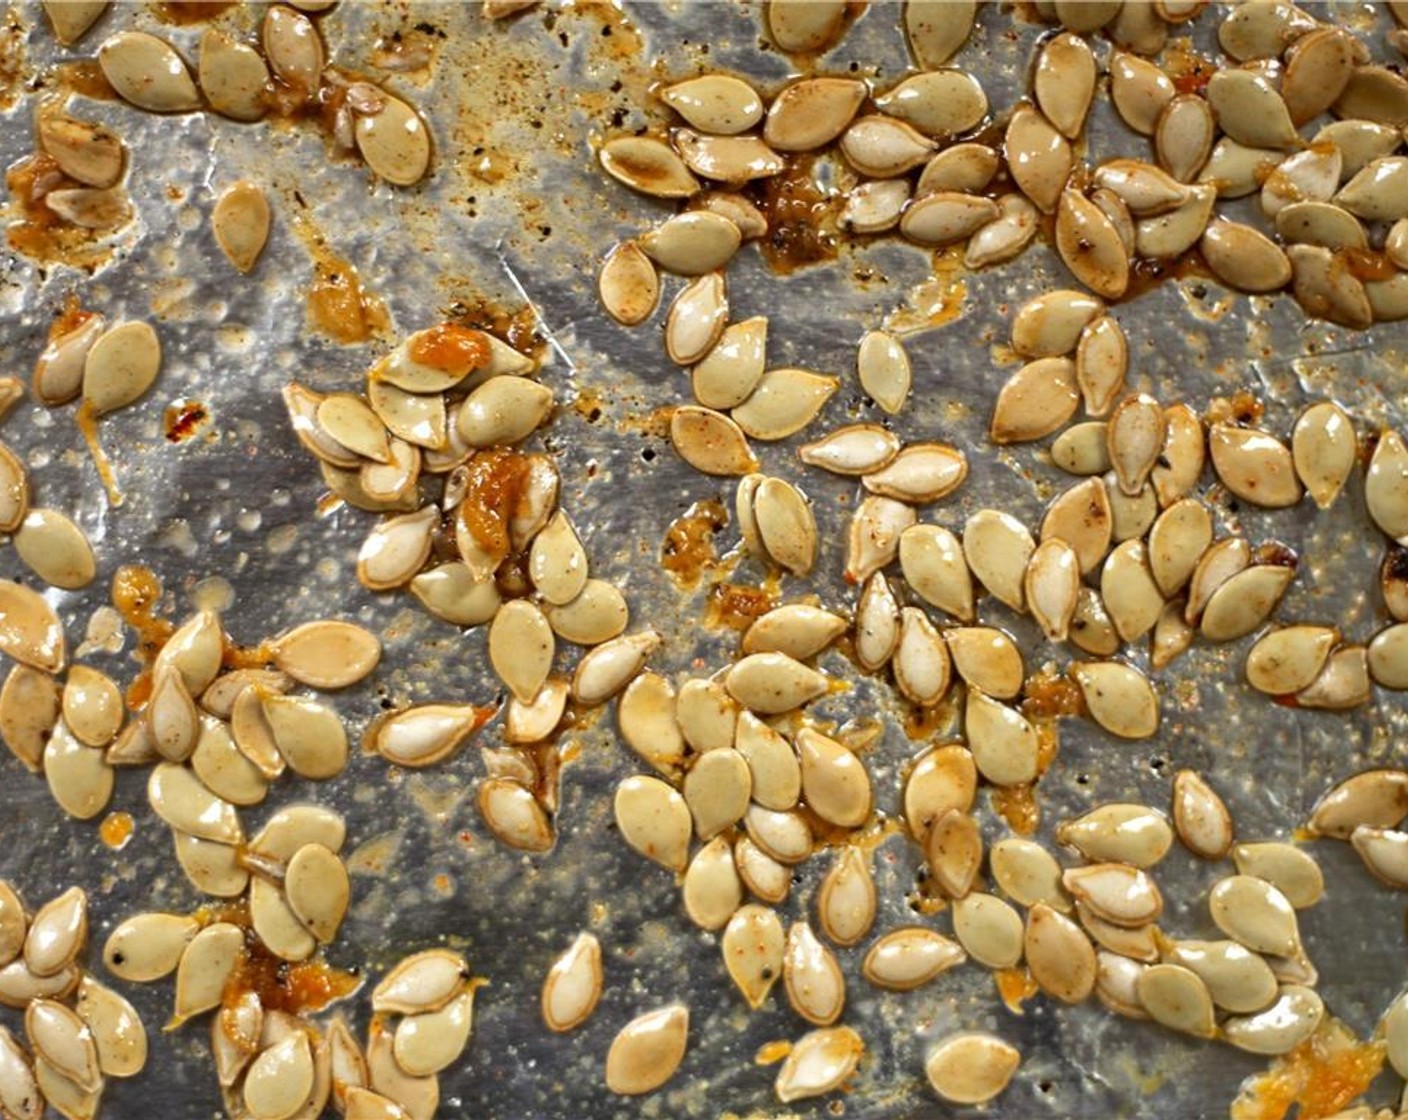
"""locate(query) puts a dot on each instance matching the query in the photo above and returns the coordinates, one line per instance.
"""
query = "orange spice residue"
(1015, 986)
(770, 1053)
(37, 231)
(1316, 1079)
(135, 594)
(87, 421)
(449, 347)
(183, 420)
(339, 306)
(800, 218)
(687, 551)
(191, 11)
(116, 830)
(493, 490)
(1046, 698)
(292, 988)
(937, 301)
(735, 606)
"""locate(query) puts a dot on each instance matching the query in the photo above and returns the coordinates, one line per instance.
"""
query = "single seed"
(819, 1062)
(1060, 956)
(148, 72)
(908, 958)
(971, 1067)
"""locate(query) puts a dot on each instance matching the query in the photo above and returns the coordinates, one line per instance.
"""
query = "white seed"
(1183, 136)
(79, 777)
(503, 410)
(753, 948)
(1003, 741)
(909, 957)
(573, 985)
(1388, 657)
(1006, 236)
(1282, 1027)
(1181, 464)
(877, 624)
(1177, 998)
(1342, 684)
(394, 141)
(1250, 111)
(148, 72)
(121, 366)
(939, 103)
(279, 1079)
(1201, 817)
(784, 402)
(802, 26)
(812, 976)
(1051, 324)
(422, 982)
(784, 836)
(1122, 832)
(920, 659)
(1253, 912)
(811, 113)
(607, 669)
(1038, 156)
(648, 165)
(883, 147)
(213, 869)
(834, 780)
(1237, 979)
(774, 767)
(70, 20)
(514, 815)
(1325, 287)
(1219, 563)
(148, 946)
(953, 849)
(535, 722)
(932, 560)
(734, 160)
(309, 736)
(294, 49)
(233, 78)
(717, 790)
(84, 150)
(1376, 798)
(707, 715)
(318, 889)
(654, 820)
(988, 929)
(727, 375)
(874, 205)
(1244, 258)
(92, 706)
(1118, 697)
(597, 615)
(1051, 587)
(692, 243)
(1254, 465)
(1081, 449)
(944, 778)
(57, 933)
(883, 368)
(796, 629)
(1288, 659)
(821, 1060)
(117, 1030)
(63, 1040)
(764, 876)
(275, 923)
(971, 1067)
(1244, 601)
(1059, 955)
(1177, 541)
(1130, 593)
(1140, 91)
(1125, 896)
(712, 890)
(1308, 176)
(646, 716)
(943, 217)
(326, 654)
(206, 965)
(1028, 873)
(1035, 401)
(29, 711)
(1117, 984)
(846, 899)
(1143, 187)
(427, 1043)
(715, 103)
(419, 1097)
(1385, 854)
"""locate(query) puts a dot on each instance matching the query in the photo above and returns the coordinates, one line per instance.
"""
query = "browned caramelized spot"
(1017, 806)
(1396, 563)
(801, 218)
(450, 347)
(34, 229)
(85, 78)
(1366, 264)
(135, 594)
(191, 11)
(1242, 408)
(1048, 696)
(1015, 986)
(736, 606)
(295, 989)
(1147, 273)
(245, 657)
(183, 420)
(770, 1053)
(69, 319)
(519, 328)
(116, 830)
(922, 724)
(1189, 72)
(495, 485)
(687, 551)
(1316, 1079)
(340, 307)
(1277, 553)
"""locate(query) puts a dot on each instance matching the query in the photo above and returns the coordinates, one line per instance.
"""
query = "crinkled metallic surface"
(516, 210)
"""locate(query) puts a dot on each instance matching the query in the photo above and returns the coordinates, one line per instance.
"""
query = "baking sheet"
(515, 211)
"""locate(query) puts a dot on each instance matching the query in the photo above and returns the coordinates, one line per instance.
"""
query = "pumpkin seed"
(654, 820)
(784, 836)
(29, 710)
(1394, 1026)
(275, 923)
(707, 715)
(764, 876)
(207, 962)
(953, 849)
(1118, 832)
(1051, 586)
(1038, 157)
(710, 442)
(1059, 955)
(1201, 817)
(1050, 325)
(1253, 912)
(628, 284)
(909, 957)
(70, 20)
(1081, 450)
(692, 243)
(1035, 401)
(148, 73)
(84, 150)
(834, 781)
(1091, 246)
(1250, 111)
(597, 615)
(503, 410)
(1143, 187)
(213, 869)
(1237, 979)
(121, 366)
(1386, 486)
(1385, 854)
(1325, 287)
(1388, 657)
(608, 668)
(754, 950)
(811, 113)
(1244, 601)
(1118, 697)
(1183, 136)
(801, 26)
(79, 777)
(1244, 258)
(1358, 142)
(240, 222)
(57, 933)
(939, 103)
(883, 368)
(727, 375)
(877, 624)
(712, 890)
(717, 790)
(784, 402)
(821, 1060)
(63, 1040)
(394, 140)
(1006, 236)
(14, 490)
(116, 1028)
(318, 889)
(734, 160)
(944, 778)
(1102, 356)
(420, 983)
(812, 976)
(1117, 984)
(1309, 176)
(573, 985)
(987, 659)
(1129, 590)
(648, 165)
(1177, 998)
(1254, 465)
(363, 1104)
(773, 765)
(427, 1043)
(418, 1096)
(1122, 895)
(514, 816)
(233, 78)
(92, 706)
(279, 1079)
(1140, 92)
(1374, 93)
(998, 548)
(646, 716)
(294, 49)
(797, 629)
(1343, 683)
(715, 103)
(846, 899)
(535, 722)
(1003, 741)
(173, 721)
(148, 946)
(884, 147)
(696, 319)
(740, 211)
(1282, 1027)
(1178, 469)
(1236, 170)
(989, 930)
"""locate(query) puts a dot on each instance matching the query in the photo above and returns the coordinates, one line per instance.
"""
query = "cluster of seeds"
(237, 81)
(80, 1031)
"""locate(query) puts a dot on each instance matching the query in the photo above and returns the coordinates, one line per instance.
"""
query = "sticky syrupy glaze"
(136, 592)
(183, 420)
(35, 230)
(494, 488)
(184, 12)
(1317, 1079)
(449, 347)
(116, 830)
(801, 218)
(687, 551)
(736, 606)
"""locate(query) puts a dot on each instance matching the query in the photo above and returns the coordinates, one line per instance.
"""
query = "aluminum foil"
(516, 213)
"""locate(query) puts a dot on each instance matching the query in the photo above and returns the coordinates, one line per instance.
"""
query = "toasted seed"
(710, 442)
(1177, 998)
(173, 721)
(1118, 697)
(712, 890)
(953, 849)
(988, 929)
(812, 976)
(29, 710)
(1250, 111)
(427, 1043)
(932, 560)
(233, 78)
(1181, 464)
(1139, 89)
(279, 1078)
(883, 147)
(1388, 657)
(796, 629)
(765, 877)
(1051, 587)
(648, 165)
(148, 72)
(503, 410)
(1376, 798)
(573, 985)
(1254, 465)
(1201, 817)
(1375, 192)
(654, 820)
(608, 668)
(697, 318)
(394, 141)
(148, 946)
(727, 159)
(936, 29)
(1144, 188)
(1178, 540)
(1028, 873)
(116, 1028)
(1117, 983)
(1051, 324)
(1237, 979)
(92, 706)
(998, 548)
(1309, 176)
(240, 222)
(1385, 854)
(739, 210)
(89, 208)
(1129, 590)
(1242, 603)
(971, 1067)
(877, 624)
(1245, 259)
(784, 402)
(521, 646)
(942, 217)
(646, 715)
(1102, 357)
(846, 899)
(1059, 955)
(79, 777)
(1325, 287)
(944, 778)
(310, 737)
(57, 933)
(19, 987)
(179, 798)
(1343, 683)
(214, 869)
(363, 1104)
(318, 889)
(774, 767)
(909, 957)
(715, 103)
(294, 49)
(1081, 450)
(84, 150)
(206, 965)
(811, 113)
(1091, 246)
(987, 659)
(784, 836)
(727, 375)
(1386, 486)
(1035, 401)
(1236, 170)
(883, 368)
(1003, 741)
(597, 615)
(939, 103)
(785, 525)
(1123, 895)
(800, 26)
(753, 949)
(692, 243)
(717, 790)
(1038, 156)
(1218, 564)
(1135, 437)
(421, 982)
(514, 815)
(12, 923)
(1122, 832)
(920, 660)
(1253, 912)
(834, 781)
(1065, 82)
(535, 722)
(275, 923)
(1004, 237)
(707, 715)
(875, 532)
(327, 654)
(418, 1096)
(773, 683)
(1282, 1027)
(628, 284)
(1183, 136)
(820, 1061)
(70, 20)
(63, 1040)
(121, 366)
(1289, 659)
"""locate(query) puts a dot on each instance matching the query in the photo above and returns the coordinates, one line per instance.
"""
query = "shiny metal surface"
(516, 210)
